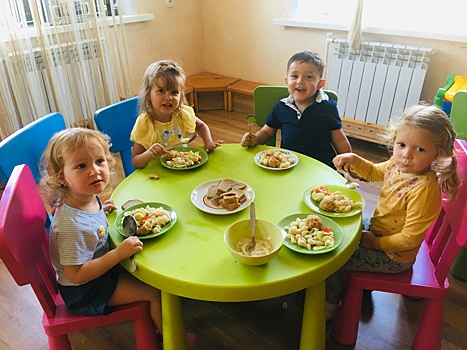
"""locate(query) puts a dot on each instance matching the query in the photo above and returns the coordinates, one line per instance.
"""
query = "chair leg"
(345, 324)
(146, 337)
(430, 327)
(60, 342)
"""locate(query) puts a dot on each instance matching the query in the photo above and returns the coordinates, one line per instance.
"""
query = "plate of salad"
(152, 219)
(184, 158)
(276, 159)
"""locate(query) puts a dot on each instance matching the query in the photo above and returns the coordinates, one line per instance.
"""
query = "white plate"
(197, 198)
(293, 155)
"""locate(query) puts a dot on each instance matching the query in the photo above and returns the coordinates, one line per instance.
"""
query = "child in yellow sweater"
(423, 164)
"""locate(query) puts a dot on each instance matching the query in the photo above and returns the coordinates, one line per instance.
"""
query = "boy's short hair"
(309, 57)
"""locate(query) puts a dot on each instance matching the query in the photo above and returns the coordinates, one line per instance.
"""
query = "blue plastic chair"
(117, 121)
(264, 99)
(26, 145)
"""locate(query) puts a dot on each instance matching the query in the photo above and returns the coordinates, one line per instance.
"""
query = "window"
(416, 18)
(66, 61)
(44, 9)
(60, 9)
(18, 16)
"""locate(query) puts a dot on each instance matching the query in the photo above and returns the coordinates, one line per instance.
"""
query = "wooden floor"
(388, 321)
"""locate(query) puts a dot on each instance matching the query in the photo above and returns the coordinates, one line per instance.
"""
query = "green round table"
(191, 259)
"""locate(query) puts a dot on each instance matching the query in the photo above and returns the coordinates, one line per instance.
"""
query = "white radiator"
(72, 67)
(379, 82)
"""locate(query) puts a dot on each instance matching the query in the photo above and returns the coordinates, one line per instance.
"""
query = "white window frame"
(417, 18)
(129, 15)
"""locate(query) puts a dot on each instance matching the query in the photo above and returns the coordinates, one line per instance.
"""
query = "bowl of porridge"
(268, 237)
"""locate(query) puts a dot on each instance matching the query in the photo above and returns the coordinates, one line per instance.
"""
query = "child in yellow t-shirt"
(165, 118)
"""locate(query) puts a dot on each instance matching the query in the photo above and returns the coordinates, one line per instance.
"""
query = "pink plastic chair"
(24, 249)
(427, 279)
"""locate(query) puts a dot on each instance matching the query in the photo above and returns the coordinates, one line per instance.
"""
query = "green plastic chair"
(264, 99)
(459, 114)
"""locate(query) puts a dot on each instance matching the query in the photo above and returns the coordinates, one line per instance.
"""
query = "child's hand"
(156, 150)
(128, 247)
(212, 145)
(370, 240)
(249, 140)
(344, 161)
(108, 206)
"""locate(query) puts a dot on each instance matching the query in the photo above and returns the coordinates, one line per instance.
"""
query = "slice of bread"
(130, 203)
(240, 194)
(230, 201)
(215, 200)
(225, 185)
(212, 192)
(239, 185)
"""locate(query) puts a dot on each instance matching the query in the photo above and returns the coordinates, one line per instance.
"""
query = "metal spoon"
(251, 246)
(250, 118)
(350, 183)
(184, 142)
(129, 227)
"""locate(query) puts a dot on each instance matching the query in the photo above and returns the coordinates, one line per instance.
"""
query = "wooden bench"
(363, 130)
(209, 82)
(241, 87)
(189, 95)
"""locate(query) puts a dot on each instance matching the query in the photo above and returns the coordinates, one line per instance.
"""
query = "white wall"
(238, 38)
(241, 40)
(175, 33)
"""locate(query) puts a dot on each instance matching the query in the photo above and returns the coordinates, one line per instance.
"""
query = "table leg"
(313, 334)
(229, 101)
(195, 101)
(226, 99)
(172, 322)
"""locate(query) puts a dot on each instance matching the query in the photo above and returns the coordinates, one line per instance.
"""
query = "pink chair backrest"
(24, 242)
(448, 232)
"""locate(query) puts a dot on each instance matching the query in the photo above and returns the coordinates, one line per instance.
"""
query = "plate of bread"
(222, 196)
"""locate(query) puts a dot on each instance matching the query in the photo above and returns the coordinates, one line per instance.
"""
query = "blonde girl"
(422, 166)
(165, 118)
(78, 164)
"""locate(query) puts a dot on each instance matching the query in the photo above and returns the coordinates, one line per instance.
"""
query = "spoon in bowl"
(251, 245)
(250, 118)
(129, 227)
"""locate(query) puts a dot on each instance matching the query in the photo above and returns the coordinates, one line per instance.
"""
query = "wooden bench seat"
(242, 87)
(209, 82)
(189, 95)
